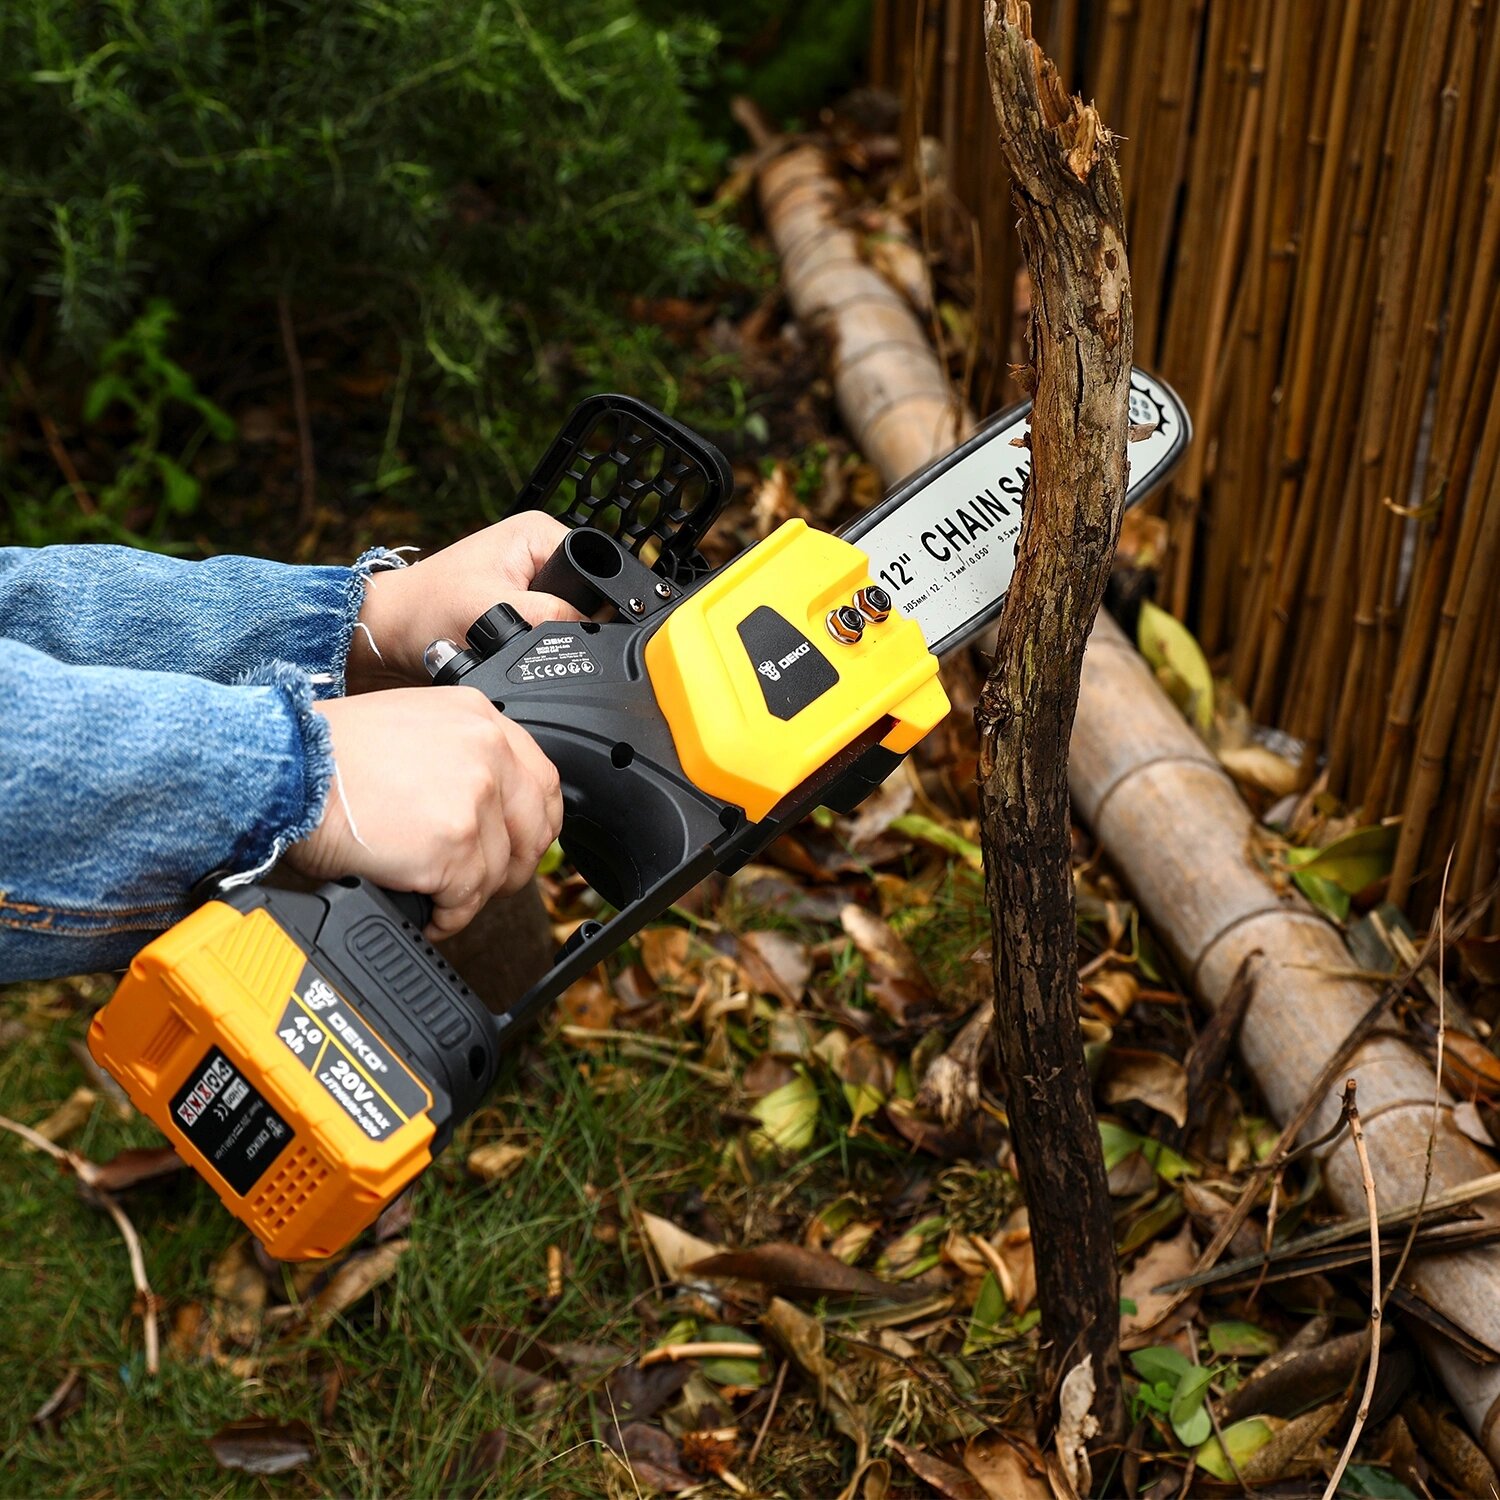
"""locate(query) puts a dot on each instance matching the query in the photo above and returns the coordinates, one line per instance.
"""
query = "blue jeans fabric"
(156, 724)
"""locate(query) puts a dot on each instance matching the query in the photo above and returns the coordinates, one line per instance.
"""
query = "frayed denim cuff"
(331, 684)
(296, 805)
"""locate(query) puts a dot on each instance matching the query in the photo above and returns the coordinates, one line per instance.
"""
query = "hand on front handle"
(437, 793)
(407, 608)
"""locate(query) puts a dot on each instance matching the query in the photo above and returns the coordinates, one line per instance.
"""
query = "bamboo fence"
(1315, 242)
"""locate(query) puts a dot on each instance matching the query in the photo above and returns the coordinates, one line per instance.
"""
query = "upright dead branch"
(1067, 196)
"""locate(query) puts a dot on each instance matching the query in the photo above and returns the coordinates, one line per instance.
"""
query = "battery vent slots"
(294, 1182)
(380, 948)
(164, 1043)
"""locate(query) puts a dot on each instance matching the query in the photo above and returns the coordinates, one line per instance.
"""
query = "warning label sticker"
(228, 1120)
(552, 657)
(341, 1050)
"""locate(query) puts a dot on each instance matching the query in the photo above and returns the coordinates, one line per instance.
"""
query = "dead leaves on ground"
(255, 1446)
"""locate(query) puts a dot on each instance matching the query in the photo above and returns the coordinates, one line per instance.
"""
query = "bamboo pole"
(1136, 770)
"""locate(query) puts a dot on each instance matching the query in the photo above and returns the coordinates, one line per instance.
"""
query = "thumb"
(539, 609)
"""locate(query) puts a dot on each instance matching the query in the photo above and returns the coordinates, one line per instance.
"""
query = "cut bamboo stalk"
(1137, 771)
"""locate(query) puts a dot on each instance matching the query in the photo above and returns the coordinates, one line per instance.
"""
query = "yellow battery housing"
(724, 662)
(203, 1034)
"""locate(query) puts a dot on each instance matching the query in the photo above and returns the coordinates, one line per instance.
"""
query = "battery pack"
(309, 1054)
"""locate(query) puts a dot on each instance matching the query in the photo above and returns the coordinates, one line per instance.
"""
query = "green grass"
(413, 1398)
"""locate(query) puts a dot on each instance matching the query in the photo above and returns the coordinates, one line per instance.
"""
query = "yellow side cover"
(708, 674)
(191, 1033)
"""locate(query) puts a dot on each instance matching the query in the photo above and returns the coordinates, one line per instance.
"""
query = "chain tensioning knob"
(846, 624)
(873, 603)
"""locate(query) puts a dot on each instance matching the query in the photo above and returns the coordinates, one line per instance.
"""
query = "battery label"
(226, 1118)
(552, 657)
(345, 1054)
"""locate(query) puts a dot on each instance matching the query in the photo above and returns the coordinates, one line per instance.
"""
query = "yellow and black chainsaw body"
(310, 1054)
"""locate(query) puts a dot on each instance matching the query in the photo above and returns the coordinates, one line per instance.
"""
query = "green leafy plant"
(138, 375)
(1174, 1387)
(463, 189)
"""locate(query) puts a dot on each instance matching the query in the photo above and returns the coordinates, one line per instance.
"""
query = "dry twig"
(1357, 1131)
(87, 1174)
(309, 471)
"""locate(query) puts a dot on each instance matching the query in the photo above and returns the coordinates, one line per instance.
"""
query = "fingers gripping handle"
(413, 905)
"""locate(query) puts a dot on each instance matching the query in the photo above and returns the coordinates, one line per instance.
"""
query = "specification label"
(227, 1119)
(340, 1049)
(552, 657)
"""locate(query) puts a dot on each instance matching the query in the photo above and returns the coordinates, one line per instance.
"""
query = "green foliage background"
(465, 186)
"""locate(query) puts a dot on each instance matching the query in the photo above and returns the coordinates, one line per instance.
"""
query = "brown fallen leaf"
(69, 1117)
(762, 888)
(1292, 1450)
(1076, 1425)
(765, 1075)
(192, 1335)
(974, 1136)
(587, 1003)
(1469, 1067)
(665, 951)
(950, 1482)
(890, 800)
(676, 1250)
(135, 1165)
(1461, 1460)
(1015, 1263)
(652, 1456)
(1481, 958)
(495, 1161)
(1149, 1078)
(776, 964)
(257, 1446)
(1255, 766)
(896, 981)
(1466, 1117)
(1118, 988)
(1005, 1470)
(352, 1283)
(1163, 1261)
(395, 1218)
(796, 1271)
(801, 1336)
(66, 1398)
(468, 1472)
(631, 1392)
(516, 1363)
(239, 1292)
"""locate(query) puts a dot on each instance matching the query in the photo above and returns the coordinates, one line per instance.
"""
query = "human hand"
(436, 792)
(407, 608)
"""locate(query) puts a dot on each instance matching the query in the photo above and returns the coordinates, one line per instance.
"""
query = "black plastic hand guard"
(630, 471)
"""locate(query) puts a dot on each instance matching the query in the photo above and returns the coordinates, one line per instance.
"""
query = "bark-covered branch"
(1068, 199)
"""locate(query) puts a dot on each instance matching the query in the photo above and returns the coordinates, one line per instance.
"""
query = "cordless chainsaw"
(310, 1053)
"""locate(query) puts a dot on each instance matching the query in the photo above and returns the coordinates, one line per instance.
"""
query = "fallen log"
(1166, 812)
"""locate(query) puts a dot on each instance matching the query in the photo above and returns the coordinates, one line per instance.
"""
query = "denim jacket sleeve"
(156, 725)
(216, 619)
